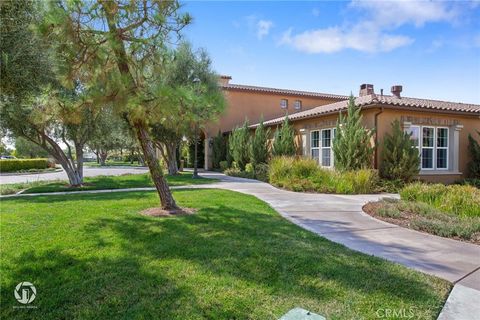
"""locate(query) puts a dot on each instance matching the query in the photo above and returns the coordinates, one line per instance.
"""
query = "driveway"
(61, 175)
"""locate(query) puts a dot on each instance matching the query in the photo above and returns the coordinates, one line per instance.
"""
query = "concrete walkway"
(340, 218)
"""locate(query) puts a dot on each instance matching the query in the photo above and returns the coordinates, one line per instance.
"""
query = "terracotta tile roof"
(373, 100)
(242, 87)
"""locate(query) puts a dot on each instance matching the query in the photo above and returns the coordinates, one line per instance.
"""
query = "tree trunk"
(103, 157)
(74, 176)
(172, 158)
(120, 53)
(79, 156)
(166, 198)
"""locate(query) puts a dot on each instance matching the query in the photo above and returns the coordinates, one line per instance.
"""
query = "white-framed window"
(428, 148)
(284, 103)
(298, 104)
(321, 142)
(442, 148)
(315, 145)
(432, 144)
(326, 148)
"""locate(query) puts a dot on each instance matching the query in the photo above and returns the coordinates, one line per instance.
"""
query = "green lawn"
(93, 256)
(104, 182)
(113, 164)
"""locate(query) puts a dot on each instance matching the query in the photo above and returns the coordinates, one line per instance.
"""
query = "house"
(439, 129)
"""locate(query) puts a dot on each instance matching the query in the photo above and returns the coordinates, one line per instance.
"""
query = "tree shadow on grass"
(266, 251)
(93, 288)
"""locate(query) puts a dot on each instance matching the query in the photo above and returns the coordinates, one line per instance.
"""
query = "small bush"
(11, 165)
(400, 160)
(471, 182)
(249, 169)
(299, 174)
(223, 165)
(261, 172)
(462, 200)
(236, 172)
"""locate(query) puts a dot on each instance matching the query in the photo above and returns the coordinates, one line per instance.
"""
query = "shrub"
(284, 140)
(219, 150)
(236, 172)
(299, 174)
(471, 182)
(400, 160)
(259, 145)
(223, 165)
(474, 164)
(261, 172)
(463, 200)
(351, 144)
(10, 165)
(239, 145)
(249, 169)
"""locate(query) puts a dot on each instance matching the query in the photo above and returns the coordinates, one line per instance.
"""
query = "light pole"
(196, 83)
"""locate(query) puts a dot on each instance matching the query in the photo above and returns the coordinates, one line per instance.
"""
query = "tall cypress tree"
(474, 150)
(284, 140)
(219, 150)
(351, 146)
(400, 159)
(239, 145)
(259, 145)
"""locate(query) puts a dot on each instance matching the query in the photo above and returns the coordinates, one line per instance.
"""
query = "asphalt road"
(87, 172)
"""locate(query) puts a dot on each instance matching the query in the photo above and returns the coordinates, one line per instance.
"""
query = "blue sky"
(432, 48)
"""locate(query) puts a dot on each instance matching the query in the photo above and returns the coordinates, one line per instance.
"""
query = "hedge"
(9, 165)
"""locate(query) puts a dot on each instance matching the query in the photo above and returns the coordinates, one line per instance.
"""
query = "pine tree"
(239, 145)
(284, 140)
(400, 159)
(259, 145)
(474, 164)
(351, 145)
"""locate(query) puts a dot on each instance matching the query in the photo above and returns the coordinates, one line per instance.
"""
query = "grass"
(461, 200)
(426, 218)
(103, 182)
(109, 163)
(94, 257)
(300, 174)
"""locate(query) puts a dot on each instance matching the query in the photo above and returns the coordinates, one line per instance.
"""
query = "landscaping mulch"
(415, 221)
(159, 212)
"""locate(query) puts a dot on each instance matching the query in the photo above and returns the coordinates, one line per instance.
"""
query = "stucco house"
(440, 129)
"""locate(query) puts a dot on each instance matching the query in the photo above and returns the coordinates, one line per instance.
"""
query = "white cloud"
(263, 28)
(335, 39)
(374, 30)
(400, 12)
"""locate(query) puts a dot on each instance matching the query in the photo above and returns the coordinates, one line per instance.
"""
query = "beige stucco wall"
(462, 124)
(252, 105)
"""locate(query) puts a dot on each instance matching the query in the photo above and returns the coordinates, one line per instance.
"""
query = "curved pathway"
(340, 218)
